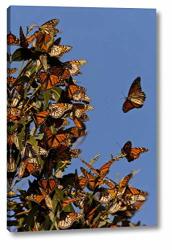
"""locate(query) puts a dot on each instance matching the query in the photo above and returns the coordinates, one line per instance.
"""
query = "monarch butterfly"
(117, 206)
(82, 182)
(77, 93)
(111, 184)
(28, 166)
(28, 152)
(11, 80)
(41, 151)
(66, 154)
(49, 24)
(75, 133)
(59, 50)
(13, 114)
(69, 219)
(80, 109)
(59, 109)
(57, 41)
(37, 198)
(12, 39)
(132, 153)
(57, 139)
(41, 117)
(125, 180)
(43, 39)
(92, 181)
(55, 76)
(136, 96)
(11, 71)
(47, 185)
(104, 169)
(23, 41)
(123, 184)
(66, 202)
(135, 194)
(12, 155)
(79, 123)
(104, 196)
(74, 66)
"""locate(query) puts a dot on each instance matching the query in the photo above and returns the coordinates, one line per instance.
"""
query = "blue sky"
(119, 45)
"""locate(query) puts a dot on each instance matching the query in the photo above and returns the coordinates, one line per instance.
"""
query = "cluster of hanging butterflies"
(114, 198)
(43, 100)
(67, 101)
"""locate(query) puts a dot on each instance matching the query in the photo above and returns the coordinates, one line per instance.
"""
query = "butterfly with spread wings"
(135, 98)
(130, 153)
(12, 39)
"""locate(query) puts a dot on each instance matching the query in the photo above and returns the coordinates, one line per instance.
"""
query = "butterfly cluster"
(46, 117)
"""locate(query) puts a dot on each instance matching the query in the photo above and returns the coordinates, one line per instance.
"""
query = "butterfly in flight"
(136, 96)
(132, 153)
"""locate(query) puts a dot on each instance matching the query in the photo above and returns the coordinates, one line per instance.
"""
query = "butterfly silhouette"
(135, 98)
(132, 153)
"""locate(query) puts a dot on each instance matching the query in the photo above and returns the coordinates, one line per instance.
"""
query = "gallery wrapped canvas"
(79, 154)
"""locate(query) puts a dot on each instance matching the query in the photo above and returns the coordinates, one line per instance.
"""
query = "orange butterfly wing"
(12, 39)
(41, 117)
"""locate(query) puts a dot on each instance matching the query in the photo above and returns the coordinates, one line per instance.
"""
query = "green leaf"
(32, 140)
(69, 208)
(21, 54)
(57, 93)
(47, 97)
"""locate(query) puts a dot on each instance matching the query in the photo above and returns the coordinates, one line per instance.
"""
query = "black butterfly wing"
(135, 87)
(136, 96)
(126, 149)
(57, 41)
(23, 41)
(127, 106)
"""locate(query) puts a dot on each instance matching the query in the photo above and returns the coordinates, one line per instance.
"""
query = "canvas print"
(81, 118)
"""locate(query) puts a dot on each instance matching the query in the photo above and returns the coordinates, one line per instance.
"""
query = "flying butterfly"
(136, 96)
(12, 39)
(132, 153)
